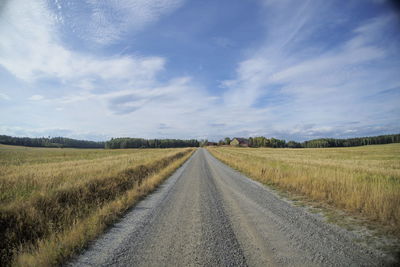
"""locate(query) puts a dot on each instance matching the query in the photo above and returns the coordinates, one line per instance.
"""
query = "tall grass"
(47, 196)
(362, 180)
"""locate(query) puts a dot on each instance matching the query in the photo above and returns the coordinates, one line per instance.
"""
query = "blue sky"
(199, 69)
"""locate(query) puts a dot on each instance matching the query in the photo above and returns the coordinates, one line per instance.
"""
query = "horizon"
(200, 140)
(199, 70)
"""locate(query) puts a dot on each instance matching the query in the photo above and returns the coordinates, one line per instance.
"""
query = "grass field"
(361, 180)
(53, 201)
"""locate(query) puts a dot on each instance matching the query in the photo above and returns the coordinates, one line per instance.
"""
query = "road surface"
(208, 214)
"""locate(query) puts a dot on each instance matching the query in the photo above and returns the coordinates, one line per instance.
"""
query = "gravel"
(208, 214)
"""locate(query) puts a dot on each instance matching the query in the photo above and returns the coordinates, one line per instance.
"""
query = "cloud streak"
(301, 81)
(319, 85)
(106, 22)
(32, 51)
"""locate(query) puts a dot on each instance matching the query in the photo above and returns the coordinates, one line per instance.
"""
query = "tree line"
(262, 141)
(111, 144)
(259, 141)
(360, 141)
(149, 143)
(49, 142)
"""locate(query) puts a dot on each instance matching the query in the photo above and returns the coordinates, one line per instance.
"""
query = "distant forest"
(317, 143)
(149, 143)
(113, 143)
(361, 141)
(261, 141)
(49, 142)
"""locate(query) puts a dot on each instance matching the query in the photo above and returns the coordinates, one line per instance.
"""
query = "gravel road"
(210, 215)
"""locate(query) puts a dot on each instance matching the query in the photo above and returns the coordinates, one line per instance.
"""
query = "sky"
(289, 69)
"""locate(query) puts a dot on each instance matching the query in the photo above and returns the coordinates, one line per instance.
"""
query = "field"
(53, 201)
(364, 181)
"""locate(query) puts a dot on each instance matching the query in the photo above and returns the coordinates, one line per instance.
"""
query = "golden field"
(364, 180)
(53, 201)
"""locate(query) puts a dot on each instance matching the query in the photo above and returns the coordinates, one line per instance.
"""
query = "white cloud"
(109, 20)
(32, 50)
(33, 54)
(317, 85)
(4, 96)
(288, 87)
(36, 98)
(132, 100)
(86, 84)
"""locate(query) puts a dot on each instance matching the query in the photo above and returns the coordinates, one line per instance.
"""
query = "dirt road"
(210, 215)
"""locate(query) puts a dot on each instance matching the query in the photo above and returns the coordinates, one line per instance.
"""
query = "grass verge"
(47, 228)
(364, 181)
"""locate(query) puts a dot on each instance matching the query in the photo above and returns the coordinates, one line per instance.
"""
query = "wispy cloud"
(32, 51)
(108, 21)
(4, 97)
(315, 72)
(36, 97)
(320, 85)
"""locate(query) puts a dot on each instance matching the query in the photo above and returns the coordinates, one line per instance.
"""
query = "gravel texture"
(208, 214)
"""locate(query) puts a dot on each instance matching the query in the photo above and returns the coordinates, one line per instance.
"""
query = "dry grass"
(361, 180)
(53, 201)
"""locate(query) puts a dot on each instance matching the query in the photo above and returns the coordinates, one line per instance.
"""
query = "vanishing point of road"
(208, 214)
